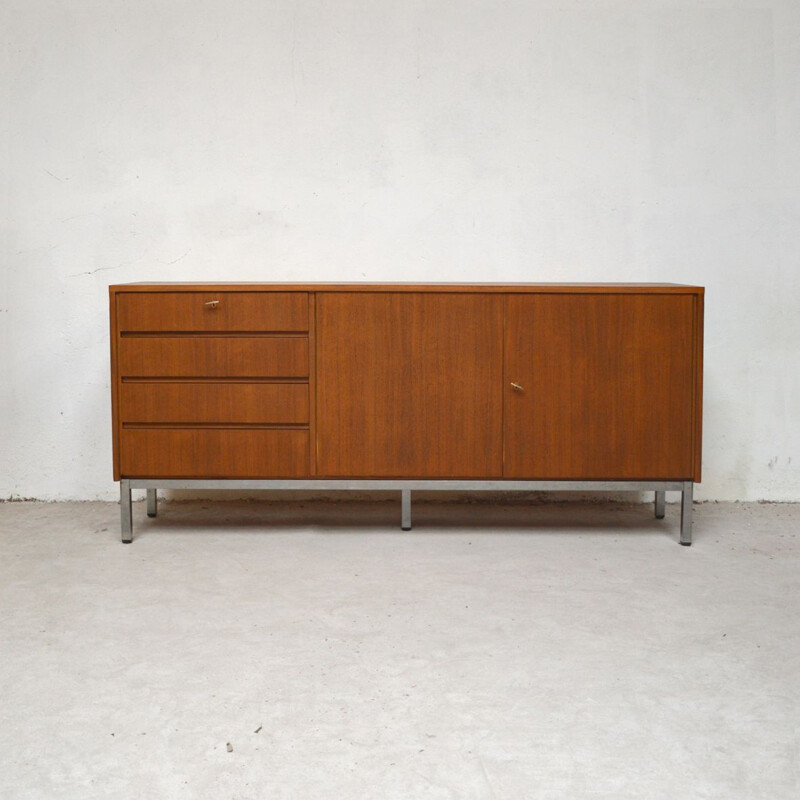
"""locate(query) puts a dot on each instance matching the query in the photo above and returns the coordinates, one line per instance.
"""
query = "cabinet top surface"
(522, 288)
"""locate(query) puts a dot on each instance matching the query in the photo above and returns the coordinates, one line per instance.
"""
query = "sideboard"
(501, 387)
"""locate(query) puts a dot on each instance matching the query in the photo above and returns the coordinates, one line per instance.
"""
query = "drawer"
(212, 311)
(214, 402)
(213, 356)
(213, 453)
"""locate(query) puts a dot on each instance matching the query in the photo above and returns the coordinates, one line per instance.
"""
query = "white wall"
(375, 140)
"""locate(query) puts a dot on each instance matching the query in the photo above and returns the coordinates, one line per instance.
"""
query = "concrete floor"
(554, 651)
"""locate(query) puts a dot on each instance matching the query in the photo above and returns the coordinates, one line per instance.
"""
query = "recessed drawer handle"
(517, 387)
(212, 303)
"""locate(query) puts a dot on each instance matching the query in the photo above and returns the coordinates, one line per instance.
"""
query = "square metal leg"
(405, 503)
(152, 503)
(686, 513)
(126, 511)
(661, 502)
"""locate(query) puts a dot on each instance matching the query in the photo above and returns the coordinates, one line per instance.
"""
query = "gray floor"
(561, 650)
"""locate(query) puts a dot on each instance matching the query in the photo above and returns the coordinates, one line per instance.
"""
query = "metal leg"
(126, 511)
(152, 503)
(405, 503)
(661, 499)
(686, 513)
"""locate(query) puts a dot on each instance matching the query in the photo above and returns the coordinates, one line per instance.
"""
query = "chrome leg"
(686, 513)
(405, 503)
(152, 502)
(661, 500)
(126, 511)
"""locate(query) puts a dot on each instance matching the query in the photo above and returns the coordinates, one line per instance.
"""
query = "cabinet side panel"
(113, 336)
(408, 385)
(698, 400)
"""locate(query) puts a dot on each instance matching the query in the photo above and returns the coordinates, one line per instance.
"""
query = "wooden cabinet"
(427, 386)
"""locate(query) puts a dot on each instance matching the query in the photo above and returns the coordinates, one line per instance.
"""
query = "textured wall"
(364, 140)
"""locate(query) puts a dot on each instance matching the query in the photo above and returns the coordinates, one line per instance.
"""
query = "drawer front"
(212, 311)
(277, 403)
(213, 453)
(213, 357)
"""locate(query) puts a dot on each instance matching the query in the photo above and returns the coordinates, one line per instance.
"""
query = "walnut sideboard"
(407, 387)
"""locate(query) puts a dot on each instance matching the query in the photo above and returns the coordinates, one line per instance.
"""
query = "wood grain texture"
(236, 311)
(213, 356)
(437, 288)
(409, 380)
(408, 385)
(213, 453)
(192, 402)
(112, 303)
(312, 382)
(697, 442)
(608, 387)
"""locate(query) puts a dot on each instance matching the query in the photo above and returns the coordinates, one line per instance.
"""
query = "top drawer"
(212, 311)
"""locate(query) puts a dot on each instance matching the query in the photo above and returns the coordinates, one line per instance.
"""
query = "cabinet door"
(607, 386)
(409, 385)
